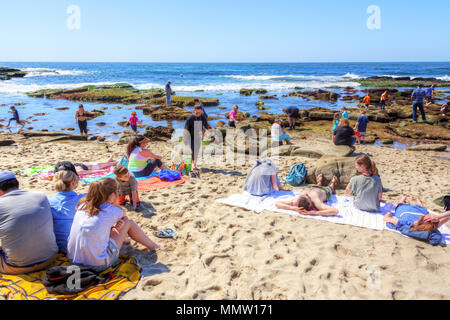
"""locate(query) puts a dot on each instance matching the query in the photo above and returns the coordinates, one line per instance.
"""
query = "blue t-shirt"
(418, 95)
(63, 207)
(430, 92)
(407, 214)
(362, 123)
(344, 115)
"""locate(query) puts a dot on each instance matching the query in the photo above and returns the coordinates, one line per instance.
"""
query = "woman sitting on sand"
(263, 178)
(311, 201)
(141, 161)
(367, 187)
(414, 221)
(63, 205)
(100, 228)
(343, 134)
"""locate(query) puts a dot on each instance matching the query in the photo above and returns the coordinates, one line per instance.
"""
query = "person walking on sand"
(361, 127)
(82, 116)
(194, 129)
(418, 96)
(15, 117)
(292, 116)
(383, 100)
(168, 93)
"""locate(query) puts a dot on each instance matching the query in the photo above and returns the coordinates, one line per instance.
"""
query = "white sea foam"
(292, 76)
(14, 87)
(444, 78)
(42, 72)
(268, 86)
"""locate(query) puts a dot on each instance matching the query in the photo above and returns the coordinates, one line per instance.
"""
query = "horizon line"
(222, 62)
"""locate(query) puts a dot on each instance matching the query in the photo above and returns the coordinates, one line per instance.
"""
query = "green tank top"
(136, 162)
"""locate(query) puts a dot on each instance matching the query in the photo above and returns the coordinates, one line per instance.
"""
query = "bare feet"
(154, 247)
(403, 198)
(320, 179)
(419, 201)
(387, 217)
(333, 183)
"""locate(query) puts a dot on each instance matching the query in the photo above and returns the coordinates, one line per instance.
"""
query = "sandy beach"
(224, 252)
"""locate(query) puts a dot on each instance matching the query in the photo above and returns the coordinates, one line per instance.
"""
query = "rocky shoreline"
(8, 73)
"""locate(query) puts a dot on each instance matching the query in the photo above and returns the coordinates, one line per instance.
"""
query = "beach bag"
(123, 161)
(57, 279)
(297, 175)
(169, 175)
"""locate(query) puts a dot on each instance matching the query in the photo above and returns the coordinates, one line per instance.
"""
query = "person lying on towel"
(311, 201)
(415, 221)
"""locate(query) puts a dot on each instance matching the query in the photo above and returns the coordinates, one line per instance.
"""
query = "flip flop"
(170, 233)
(160, 234)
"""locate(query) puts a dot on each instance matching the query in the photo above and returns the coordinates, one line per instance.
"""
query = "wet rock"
(5, 143)
(62, 108)
(159, 133)
(246, 92)
(428, 147)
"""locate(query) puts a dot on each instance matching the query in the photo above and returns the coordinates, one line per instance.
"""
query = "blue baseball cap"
(6, 175)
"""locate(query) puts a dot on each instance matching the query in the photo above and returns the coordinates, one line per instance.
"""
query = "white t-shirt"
(89, 236)
(276, 130)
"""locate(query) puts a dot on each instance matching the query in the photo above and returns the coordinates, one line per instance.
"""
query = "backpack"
(297, 175)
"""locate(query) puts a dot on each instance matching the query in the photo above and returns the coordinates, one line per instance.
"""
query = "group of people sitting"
(367, 189)
(90, 228)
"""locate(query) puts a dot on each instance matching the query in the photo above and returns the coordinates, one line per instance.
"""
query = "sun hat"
(133, 113)
(6, 175)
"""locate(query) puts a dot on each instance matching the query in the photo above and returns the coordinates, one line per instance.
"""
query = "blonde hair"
(63, 180)
(235, 107)
(99, 192)
(344, 122)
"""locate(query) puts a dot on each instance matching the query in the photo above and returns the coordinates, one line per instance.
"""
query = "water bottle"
(188, 165)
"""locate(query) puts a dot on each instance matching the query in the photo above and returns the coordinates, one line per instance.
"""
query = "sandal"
(167, 233)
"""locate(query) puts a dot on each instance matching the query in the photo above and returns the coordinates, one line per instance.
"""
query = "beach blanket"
(99, 174)
(348, 214)
(30, 172)
(112, 175)
(156, 183)
(126, 270)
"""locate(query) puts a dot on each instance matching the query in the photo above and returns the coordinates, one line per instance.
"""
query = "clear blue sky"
(224, 31)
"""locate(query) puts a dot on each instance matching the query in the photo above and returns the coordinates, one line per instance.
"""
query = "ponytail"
(99, 192)
(63, 180)
(367, 163)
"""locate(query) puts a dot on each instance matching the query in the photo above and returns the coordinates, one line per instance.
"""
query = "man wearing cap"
(418, 96)
(26, 228)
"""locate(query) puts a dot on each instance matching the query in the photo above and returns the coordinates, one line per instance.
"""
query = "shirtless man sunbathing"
(311, 201)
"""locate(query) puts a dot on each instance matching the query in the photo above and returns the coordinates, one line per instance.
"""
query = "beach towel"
(30, 172)
(112, 175)
(156, 183)
(126, 271)
(348, 214)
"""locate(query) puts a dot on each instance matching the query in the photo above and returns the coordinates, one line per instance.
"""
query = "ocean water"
(216, 80)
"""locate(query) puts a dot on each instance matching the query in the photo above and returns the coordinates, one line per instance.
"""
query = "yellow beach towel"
(126, 270)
